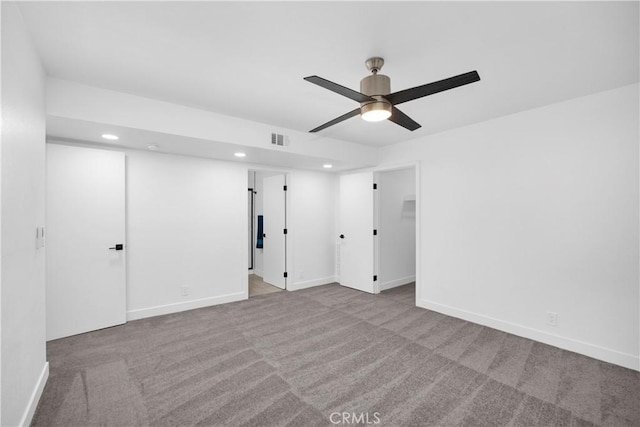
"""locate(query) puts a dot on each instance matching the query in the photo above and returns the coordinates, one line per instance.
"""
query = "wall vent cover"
(279, 140)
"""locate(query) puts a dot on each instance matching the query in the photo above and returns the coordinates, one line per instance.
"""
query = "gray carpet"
(294, 358)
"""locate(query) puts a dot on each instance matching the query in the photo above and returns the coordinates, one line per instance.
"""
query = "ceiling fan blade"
(334, 87)
(337, 120)
(431, 88)
(400, 118)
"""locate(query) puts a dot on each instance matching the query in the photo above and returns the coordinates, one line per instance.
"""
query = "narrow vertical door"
(356, 231)
(85, 238)
(274, 249)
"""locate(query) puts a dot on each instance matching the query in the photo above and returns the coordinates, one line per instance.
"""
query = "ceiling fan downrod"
(376, 86)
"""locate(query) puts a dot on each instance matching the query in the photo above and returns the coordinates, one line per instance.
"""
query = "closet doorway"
(396, 225)
(377, 230)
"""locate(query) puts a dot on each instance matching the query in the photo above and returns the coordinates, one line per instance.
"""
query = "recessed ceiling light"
(327, 166)
(153, 147)
(110, 136)
(239, 154)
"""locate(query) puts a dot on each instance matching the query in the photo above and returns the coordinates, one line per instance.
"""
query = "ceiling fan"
(376, 100)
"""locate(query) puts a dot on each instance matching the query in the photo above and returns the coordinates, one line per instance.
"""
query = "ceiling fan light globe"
(376, 115)
(375, 111)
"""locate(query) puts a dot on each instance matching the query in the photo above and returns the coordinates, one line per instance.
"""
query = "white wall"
(532, 213)
(24, 369)
(186, 226)
(313, 198)
(396, 227)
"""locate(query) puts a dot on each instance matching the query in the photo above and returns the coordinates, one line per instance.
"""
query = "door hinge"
(285, 274)
(375, 232)
(375, 186)
(375, 278)
(284, 188)
(285, 231)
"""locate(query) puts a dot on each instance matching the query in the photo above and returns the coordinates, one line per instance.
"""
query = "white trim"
(415, 165)
(397, 166)
(597, 352)
(377, 286)
(184, 306)
(418, 235)
(27, 417)
(398, 282)
(383, 167)
(311, 283)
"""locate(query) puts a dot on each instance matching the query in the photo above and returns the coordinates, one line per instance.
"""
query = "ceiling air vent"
(279, 140)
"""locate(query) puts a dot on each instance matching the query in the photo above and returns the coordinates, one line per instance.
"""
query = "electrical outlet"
(184, 290)
(552, 318)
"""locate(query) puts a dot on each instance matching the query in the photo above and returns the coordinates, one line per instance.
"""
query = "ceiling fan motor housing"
(376, 86)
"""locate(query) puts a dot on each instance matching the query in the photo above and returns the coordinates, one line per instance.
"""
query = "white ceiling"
(249, 59)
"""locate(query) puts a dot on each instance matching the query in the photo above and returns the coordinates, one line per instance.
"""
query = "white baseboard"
(311, 283)
(398, 282)
(183, 306)
(597, 352)
(27, 417)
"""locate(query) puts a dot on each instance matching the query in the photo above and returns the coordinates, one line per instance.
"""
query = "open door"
(86, 276)
(356, 231)
(274, 250)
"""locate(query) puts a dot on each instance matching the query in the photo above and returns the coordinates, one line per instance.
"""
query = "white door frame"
(287, 210)
(415, 166)
(274, 196)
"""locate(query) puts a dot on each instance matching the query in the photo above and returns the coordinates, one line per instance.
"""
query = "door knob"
(342, 236)
(118, 247)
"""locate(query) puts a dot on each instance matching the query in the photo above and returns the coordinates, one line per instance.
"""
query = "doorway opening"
(378, 228)
(267, 232)
(396, 224)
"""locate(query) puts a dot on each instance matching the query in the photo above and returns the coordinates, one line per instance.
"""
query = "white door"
(356, 231)
(274, 223)
(86, 287)
(250, 227)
